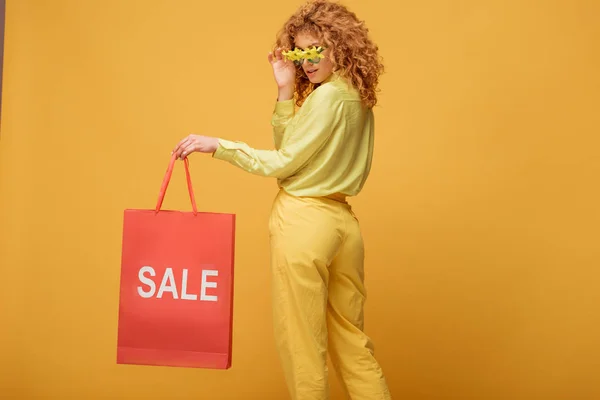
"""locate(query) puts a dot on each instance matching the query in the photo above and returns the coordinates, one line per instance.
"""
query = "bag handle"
(167, 178)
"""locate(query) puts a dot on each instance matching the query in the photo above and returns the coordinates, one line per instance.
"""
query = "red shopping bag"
(176, 293)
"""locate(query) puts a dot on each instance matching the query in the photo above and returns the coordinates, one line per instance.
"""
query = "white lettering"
(171, 287)
(147, 289)
(184, 282)
(146, 281)
(205, 284)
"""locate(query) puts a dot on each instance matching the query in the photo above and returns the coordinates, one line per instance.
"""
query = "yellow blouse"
(324, 148)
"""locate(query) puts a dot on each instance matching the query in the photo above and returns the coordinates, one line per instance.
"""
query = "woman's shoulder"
(336, 89)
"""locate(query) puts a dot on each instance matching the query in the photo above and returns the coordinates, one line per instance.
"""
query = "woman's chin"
(316, 78)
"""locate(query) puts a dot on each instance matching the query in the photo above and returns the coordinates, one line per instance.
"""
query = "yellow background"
(481, 215)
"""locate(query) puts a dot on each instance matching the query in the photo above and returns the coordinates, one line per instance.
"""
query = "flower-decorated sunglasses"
(312, 54)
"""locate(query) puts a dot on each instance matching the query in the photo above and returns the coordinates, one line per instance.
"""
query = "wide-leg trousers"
(317, 259)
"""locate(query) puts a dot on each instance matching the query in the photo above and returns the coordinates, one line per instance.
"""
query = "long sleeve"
(282, 115)
(306, 134)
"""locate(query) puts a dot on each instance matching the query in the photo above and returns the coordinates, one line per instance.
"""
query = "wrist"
(285, 93)
(215, 145)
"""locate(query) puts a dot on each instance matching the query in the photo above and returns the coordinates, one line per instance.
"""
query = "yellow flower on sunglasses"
(312, 54)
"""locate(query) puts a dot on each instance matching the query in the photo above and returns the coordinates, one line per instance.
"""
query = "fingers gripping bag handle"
(167, 178)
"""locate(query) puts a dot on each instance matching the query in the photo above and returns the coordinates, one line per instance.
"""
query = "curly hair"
(354, 56)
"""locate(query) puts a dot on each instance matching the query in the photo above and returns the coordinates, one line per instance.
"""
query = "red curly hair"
(353, 54)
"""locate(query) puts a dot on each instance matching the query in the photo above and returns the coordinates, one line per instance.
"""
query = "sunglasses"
(312, 54)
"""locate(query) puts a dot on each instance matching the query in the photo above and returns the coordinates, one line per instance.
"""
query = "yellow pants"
(317, 258)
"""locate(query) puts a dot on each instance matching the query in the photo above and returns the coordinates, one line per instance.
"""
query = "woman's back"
(343, 161)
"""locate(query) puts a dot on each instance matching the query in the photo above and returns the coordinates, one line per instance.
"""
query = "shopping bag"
(176, 285)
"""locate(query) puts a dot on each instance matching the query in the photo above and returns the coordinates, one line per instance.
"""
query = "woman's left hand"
(192, 143)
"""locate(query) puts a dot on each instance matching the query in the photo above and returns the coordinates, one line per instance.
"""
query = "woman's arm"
(285, 76)
(305, 136)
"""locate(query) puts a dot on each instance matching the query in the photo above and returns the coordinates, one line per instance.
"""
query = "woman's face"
(323, 68)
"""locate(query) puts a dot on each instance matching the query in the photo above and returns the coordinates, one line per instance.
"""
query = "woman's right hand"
(284, 72)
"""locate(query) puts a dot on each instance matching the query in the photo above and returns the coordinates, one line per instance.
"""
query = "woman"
(322, 154)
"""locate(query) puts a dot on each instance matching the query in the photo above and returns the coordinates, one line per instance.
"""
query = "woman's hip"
(309, 214)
